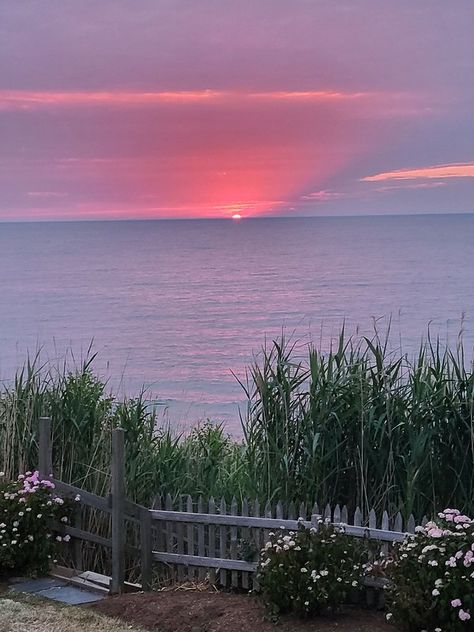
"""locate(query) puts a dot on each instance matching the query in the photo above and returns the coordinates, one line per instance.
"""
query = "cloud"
(419, 185)
(451, 170)
(321, 196)
(27, 100)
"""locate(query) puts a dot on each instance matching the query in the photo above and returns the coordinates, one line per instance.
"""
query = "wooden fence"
(198, 538)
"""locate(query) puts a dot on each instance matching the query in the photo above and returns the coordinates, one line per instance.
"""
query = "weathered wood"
(398, 522)
(344, 515)
(200, 539)
(268, 513)
(76, 542)
(86, 498)
(411, 524)
(245, 540)
(372, 519)
(230, 521)
(222, 540)
(212, 539)
(374, 534)
(257, 533)
(291, 511)
(45, 448)
(357, 517)
(337, 514)
(190, 536)
(206, 562)
(118, 517)
(327, 513)
(385, 527)
(146, 549)
(74, 532)
(234, 578)
(180, 542)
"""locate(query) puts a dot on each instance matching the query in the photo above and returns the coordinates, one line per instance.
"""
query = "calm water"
(178, 305)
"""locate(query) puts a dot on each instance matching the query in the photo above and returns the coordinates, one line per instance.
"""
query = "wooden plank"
(45, 448)
(77, 543)
(169, 529)
(180, 543)
(257, 533)
(206, 562)
(327, 513)
(344, 515)
(212, 539)
(118, 521)
(357, 517)
(374, 534)
(190, 536)
(82, 535)
(222, 541)
(337, 514)
(230, 521)
(411, 524)
(385, 527)
(291, 511)
(372, 519)
(398, 522)
(234, 510)
(86, 498)
(268, 514)
(246, 541)
(200, 540)
(302, 512)
(146, 549)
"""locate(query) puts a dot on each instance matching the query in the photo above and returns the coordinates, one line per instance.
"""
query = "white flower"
(435, 592)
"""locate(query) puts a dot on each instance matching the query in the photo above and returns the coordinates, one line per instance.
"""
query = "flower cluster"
(433, 576)
(309, 571)
(28, 508)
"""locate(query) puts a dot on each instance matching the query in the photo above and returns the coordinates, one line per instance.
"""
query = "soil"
(194, 611)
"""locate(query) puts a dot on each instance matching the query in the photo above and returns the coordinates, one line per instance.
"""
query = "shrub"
(28, 508)
(309, 571)
(433, 576)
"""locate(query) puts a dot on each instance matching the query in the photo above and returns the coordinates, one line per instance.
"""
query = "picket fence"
(196, 539)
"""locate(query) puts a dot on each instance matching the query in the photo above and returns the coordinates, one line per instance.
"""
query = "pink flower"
(456, 603)
(463, 615)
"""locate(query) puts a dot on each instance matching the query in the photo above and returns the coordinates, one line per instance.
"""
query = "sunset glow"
(192, 110)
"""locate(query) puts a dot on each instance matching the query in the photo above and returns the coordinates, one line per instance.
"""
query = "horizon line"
(227, 219)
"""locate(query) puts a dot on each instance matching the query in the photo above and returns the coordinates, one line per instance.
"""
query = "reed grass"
(359, 426)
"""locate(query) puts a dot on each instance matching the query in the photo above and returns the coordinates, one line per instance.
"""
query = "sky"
(124, 109)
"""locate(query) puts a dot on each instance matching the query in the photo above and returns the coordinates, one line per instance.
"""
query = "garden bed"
(194, 611)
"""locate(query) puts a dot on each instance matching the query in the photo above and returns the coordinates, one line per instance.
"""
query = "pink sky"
(184, 108)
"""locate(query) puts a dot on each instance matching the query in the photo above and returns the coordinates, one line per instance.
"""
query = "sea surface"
(179, 306)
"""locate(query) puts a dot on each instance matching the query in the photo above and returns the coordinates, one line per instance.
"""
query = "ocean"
(183, 307)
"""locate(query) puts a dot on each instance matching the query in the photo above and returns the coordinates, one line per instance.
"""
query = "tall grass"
(358, 426)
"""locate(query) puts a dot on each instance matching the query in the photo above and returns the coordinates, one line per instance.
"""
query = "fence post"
(45, 452)
(118, 502)
(146, 548)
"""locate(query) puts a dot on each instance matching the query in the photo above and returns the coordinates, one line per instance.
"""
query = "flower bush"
(309, 571)
(28, 508)
(433, 576)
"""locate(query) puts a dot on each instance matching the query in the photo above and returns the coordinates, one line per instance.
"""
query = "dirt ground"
(193, 611)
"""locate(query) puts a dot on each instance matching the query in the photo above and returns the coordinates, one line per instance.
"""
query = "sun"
(236, 216)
